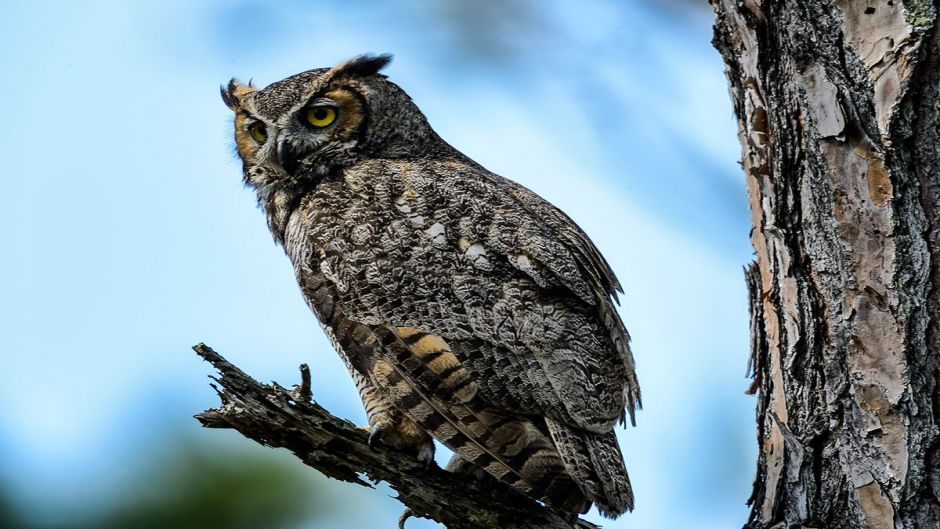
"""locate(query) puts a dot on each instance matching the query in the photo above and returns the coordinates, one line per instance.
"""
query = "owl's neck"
(278, 204)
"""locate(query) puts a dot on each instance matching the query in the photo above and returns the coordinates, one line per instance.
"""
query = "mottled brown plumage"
(466, 307)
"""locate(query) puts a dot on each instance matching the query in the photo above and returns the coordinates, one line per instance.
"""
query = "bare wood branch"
(275, 416)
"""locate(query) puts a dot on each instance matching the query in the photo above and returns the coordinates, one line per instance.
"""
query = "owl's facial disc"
(321, 134)
(300, 129)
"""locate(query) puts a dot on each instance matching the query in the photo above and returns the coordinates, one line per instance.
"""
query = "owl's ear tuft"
(227, 97)
(362, 66)
(232, 93)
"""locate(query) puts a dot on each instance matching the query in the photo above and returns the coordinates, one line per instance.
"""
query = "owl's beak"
(288, 157)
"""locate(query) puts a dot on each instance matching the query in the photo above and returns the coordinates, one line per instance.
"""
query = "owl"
(467, 308)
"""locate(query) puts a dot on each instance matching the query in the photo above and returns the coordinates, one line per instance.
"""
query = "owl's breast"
(390, 249)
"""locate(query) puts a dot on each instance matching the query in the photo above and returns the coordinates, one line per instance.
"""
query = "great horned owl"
(466, 307)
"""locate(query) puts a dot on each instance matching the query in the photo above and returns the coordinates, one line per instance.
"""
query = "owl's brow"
(315, 96)
(320, 79)
(251, 119)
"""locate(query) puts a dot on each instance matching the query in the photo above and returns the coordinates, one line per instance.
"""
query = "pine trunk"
(838, 106)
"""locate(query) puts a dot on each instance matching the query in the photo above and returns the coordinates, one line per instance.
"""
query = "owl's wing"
(592, 270)
(593, 280)
(509, 282)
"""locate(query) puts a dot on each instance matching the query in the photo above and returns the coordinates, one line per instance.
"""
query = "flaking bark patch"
(879, 513)
(879, 181)
(884, 42)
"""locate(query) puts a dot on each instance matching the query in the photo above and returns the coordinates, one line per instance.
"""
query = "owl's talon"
(404, 518)
(375, 435)
(426, 456)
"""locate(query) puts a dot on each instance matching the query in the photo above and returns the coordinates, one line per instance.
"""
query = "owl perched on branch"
(466, 307)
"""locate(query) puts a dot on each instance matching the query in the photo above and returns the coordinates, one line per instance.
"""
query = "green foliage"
(194, 485)
(202, 487)
(9, 518)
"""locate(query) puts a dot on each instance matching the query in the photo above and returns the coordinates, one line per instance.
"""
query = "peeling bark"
(837, 105)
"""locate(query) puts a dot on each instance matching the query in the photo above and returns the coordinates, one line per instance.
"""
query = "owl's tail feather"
(530, 451)
(595, 461)
(421, 377)
(429, 386)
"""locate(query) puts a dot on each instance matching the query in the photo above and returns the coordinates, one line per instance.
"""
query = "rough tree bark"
(837, 104)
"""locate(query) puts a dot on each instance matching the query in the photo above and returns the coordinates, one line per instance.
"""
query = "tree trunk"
(837, 105)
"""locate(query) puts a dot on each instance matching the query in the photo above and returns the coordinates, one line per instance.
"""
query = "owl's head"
(307, 126)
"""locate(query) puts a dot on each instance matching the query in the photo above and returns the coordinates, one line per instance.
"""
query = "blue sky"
(129, 236)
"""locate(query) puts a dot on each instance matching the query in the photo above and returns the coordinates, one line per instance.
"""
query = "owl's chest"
(383, 241)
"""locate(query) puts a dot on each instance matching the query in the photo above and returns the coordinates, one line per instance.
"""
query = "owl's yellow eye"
(321, 116)
(257, 132)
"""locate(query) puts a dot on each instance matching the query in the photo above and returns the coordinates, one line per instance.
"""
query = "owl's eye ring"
(319, 116)
(258, 132)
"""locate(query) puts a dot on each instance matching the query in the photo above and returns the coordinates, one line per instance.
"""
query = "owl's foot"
(377, 432)
(460, 466)
(405, 439)
(426, 455)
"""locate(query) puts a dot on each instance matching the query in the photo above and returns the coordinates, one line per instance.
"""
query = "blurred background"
(129, 237)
